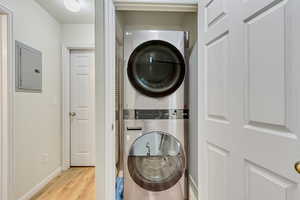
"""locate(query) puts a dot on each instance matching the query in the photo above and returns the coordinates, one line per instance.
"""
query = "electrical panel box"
(29, 76)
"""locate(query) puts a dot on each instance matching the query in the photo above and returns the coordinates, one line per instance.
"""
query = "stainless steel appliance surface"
(155, 69)
(155, 159)
(155, 115)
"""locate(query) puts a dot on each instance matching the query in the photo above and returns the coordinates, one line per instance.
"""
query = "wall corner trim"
(193, 189)
(37, 188)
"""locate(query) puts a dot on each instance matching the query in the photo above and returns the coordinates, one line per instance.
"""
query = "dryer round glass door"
(156, 161)
(156, 68)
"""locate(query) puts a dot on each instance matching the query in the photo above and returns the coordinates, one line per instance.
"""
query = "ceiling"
(57, 9)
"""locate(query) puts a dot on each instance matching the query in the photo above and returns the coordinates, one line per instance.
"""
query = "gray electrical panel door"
(28, 69)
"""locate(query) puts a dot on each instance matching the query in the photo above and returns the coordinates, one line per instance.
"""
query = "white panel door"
(82, 114)
(249, 99)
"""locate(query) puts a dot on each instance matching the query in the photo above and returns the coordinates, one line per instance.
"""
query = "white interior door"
(249, 99)
(82, 108)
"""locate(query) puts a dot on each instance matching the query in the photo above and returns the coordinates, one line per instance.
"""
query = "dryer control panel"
(156, 114)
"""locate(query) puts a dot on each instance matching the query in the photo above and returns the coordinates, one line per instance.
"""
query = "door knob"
(72, 114)
(297, 167)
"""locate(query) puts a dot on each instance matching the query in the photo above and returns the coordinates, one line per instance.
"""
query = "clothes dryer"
(155, 69)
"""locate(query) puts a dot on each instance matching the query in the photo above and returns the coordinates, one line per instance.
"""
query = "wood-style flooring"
(77, 183)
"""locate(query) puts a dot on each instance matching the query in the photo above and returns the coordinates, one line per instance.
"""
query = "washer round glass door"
(156, 68)
(156, 161)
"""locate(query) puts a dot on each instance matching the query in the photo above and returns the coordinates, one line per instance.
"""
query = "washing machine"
(155, 158)
(155, 73)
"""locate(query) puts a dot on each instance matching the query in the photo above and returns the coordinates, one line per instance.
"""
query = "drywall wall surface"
(193, 123)
(119, 91)
(101, 146)
(37, 122)
(153, 20)
(190, 25)
(137, 20)
(78, 34)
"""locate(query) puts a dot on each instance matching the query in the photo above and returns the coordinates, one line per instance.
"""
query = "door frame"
(105, 68)
(66, 98)
(7, 156)
(156, 5)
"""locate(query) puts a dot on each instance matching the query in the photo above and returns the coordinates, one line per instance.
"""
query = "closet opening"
(155, 102)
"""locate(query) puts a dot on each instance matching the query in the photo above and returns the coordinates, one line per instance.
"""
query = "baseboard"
(193, 189)
(41, 185)
(66, 166)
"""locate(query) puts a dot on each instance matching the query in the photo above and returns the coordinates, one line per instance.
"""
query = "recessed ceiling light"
(72, 5)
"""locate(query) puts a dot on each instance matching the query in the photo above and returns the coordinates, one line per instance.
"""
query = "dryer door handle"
(134, 128)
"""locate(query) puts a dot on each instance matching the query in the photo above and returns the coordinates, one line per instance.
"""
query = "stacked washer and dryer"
(155, 115)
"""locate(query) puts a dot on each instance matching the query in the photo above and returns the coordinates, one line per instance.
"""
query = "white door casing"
(6, 102)
(3, 41)
(249, 74)
(82, 108)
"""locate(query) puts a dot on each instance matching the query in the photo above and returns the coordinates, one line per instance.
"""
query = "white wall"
(81, 34)
(190, 25)
(135, 20)
(119, 91)
(102, 187)
(37, 116)
(152, 20)
(193, 123)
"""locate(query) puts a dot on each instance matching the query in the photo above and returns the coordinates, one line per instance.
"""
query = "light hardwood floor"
(77, 183)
